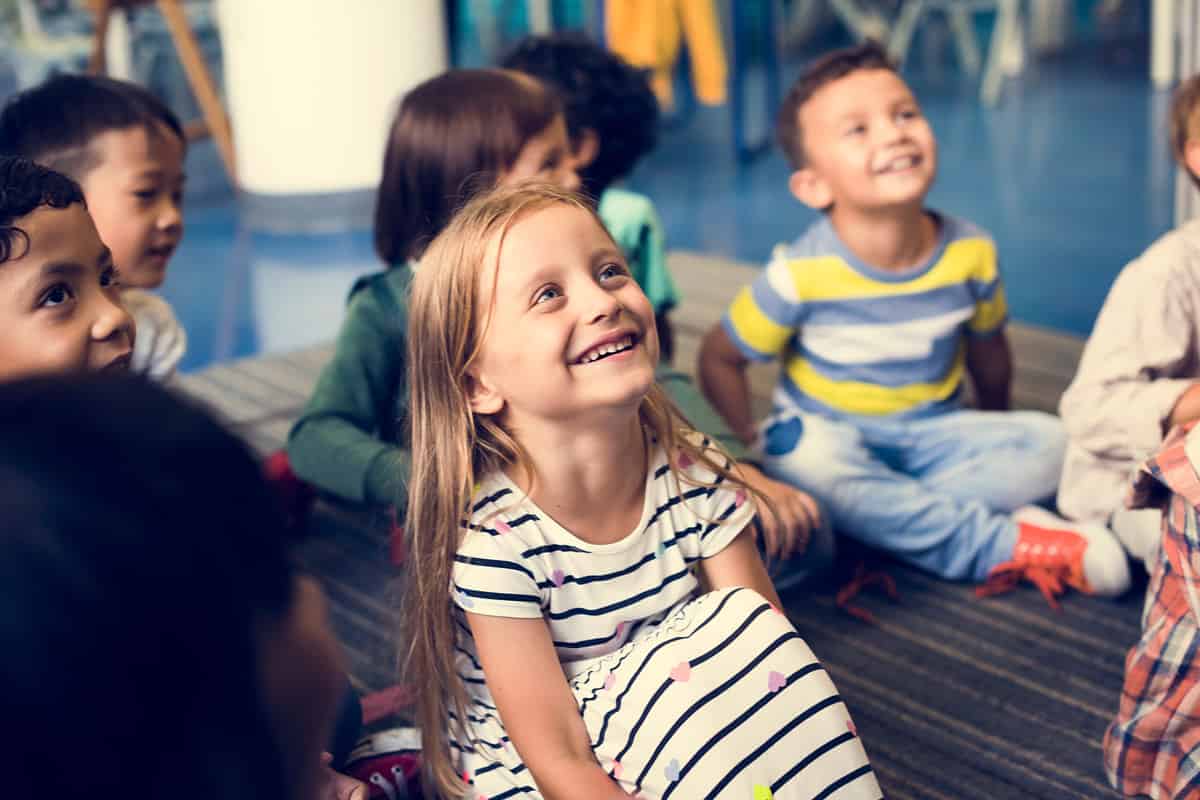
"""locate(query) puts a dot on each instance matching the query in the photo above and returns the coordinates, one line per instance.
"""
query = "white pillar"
(311, 86)
(1163, 42)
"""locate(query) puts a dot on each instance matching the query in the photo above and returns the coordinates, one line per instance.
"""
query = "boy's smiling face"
(135, 195)
(60, 309)
(867, 146)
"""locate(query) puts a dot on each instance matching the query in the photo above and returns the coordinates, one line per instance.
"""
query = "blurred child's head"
(124, 147)
(1185, 126)
(464, 131)
(855, 135)
(612, 114)
(60, 306)
(155, 632)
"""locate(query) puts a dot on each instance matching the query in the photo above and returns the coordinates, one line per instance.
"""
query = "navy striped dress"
(684, 695)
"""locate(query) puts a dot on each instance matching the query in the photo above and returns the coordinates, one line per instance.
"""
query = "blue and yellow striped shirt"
(859, 341)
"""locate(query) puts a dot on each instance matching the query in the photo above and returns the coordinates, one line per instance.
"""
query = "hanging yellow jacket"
(647, 33)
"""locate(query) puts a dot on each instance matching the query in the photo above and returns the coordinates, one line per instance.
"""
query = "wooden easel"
(214, 121)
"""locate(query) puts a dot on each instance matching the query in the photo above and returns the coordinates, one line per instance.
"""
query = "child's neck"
(894, 240)
(591, 481)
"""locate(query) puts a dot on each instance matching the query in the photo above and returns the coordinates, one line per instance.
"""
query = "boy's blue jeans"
(933, 491)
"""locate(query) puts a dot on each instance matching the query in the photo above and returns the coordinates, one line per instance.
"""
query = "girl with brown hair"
(462, 131)
(564, 519)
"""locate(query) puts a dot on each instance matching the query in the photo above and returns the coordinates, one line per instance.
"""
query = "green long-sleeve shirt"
(350, 439)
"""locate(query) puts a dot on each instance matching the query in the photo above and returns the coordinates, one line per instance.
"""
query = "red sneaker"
(1052, 554)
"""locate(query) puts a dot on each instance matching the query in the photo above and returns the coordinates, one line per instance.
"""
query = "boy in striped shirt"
(878, 312)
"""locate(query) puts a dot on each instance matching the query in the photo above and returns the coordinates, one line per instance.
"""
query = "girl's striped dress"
(684, 695)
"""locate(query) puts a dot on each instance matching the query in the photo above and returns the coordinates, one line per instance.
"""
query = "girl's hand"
(339, 786)
(788, 520)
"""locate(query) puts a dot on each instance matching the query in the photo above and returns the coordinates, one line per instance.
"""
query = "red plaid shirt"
(1153, 746)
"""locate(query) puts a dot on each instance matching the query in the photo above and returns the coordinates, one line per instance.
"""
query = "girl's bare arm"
(538, 709)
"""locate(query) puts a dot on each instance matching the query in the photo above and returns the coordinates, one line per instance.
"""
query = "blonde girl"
(562, 522)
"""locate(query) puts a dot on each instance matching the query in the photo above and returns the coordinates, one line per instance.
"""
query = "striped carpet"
(955, 697)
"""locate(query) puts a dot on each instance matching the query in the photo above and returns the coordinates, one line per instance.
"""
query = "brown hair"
(825, 70)
(1185, 121)
(452, 448)
(452, 135)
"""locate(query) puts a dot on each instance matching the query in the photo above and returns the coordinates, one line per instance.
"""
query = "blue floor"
(1070, 174)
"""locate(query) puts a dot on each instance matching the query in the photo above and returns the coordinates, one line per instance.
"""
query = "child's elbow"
(717, 349)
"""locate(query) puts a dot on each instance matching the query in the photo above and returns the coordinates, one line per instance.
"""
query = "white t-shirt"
(161, 341)
(515, 561)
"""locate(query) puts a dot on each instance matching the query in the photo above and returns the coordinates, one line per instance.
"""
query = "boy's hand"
(1187, 407)
(787, 522)
(339, 786)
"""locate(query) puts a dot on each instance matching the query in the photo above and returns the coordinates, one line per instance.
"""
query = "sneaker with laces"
(1053, 553)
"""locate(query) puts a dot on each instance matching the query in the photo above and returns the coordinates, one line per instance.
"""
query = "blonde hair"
(452, 448)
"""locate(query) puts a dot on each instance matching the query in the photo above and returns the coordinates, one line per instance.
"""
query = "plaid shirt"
(1153, 746)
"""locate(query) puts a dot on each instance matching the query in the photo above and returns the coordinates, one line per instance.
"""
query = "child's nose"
(891, 131)
(113, 322)
(570, 179)
(602, 305)
(170, 215)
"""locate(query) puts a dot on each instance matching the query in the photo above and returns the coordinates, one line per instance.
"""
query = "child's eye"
(907, 114)
(56, 295)
(547, 294)
(856, 130)
(612, 271)
(110, 277)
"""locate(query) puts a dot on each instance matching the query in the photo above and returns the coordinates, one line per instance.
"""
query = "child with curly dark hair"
(612, 122)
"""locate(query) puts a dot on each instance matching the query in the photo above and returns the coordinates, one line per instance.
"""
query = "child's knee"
(740, 601)
(806, 450)
(1046, 438)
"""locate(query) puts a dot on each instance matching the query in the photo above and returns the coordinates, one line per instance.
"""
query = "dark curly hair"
(825, 70)
(25, 186)
(601, 92)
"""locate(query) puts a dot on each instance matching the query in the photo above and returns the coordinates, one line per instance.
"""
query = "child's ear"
(811, 189)
(1191, 156)
(585, 148)
(482, 396)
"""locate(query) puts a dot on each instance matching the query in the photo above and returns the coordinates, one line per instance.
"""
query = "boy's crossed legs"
(937, 492)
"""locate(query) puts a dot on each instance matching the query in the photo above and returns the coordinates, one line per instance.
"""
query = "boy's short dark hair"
(1185, 121)
(24, 187)
(55, 122)
(600, 91)
(825, 70)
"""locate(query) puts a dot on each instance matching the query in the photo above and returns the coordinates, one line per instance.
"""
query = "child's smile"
(867, 142)
(617, 346)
